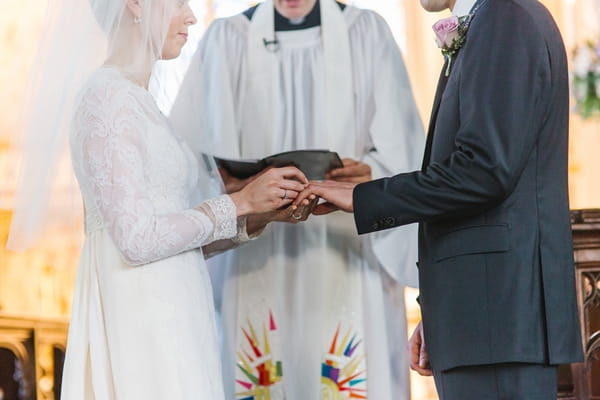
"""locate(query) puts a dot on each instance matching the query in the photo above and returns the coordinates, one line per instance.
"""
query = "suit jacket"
(495, 264)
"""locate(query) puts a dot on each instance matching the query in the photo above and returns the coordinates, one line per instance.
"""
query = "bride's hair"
(79, 36)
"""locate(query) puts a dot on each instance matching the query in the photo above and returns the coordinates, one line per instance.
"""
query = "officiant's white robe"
(296, 285)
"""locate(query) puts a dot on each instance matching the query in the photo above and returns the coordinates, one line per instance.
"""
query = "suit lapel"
(443, 80)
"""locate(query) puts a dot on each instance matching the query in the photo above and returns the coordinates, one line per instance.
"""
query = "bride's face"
(183, 17)
(437, 5)
(294, 9)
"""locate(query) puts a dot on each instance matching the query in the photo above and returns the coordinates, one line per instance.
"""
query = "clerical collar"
(284, 24)
(463, 7)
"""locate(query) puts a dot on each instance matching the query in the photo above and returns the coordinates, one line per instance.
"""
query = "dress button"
(390, 221)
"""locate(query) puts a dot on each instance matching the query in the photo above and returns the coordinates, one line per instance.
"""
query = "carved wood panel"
(38, 347)
(586, 244)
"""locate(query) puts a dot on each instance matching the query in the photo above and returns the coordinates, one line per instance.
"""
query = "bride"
(142, 323)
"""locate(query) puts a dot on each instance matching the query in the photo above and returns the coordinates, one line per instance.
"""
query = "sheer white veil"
(79, 36)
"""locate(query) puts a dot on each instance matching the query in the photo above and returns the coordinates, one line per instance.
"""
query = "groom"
(497, 289)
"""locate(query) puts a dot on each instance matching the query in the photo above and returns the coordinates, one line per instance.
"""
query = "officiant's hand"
(337, 196)
(352, 171)
(272, 190)
(419, 360)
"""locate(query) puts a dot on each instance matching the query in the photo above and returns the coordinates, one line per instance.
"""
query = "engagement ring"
(284, 195)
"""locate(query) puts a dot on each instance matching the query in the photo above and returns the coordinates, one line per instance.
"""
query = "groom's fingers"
(424, 362)
(414, 347)
(303, 196)
(314, 188)
(424, 367)
(419, 361)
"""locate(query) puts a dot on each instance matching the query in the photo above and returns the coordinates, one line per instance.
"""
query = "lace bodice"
(137, 178)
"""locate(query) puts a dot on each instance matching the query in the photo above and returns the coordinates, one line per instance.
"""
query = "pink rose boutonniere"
(450, 35)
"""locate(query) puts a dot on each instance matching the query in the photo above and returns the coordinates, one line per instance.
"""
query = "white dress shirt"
(463, 7)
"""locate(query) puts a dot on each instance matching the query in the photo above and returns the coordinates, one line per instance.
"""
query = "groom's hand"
(352, 171)
(337, 196)
(419, 360)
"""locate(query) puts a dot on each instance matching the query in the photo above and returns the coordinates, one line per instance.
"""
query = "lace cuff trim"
(225, 217)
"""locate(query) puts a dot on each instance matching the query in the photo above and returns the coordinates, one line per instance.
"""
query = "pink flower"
(446, 30)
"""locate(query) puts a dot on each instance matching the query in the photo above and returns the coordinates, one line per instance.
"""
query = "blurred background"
(36, 287)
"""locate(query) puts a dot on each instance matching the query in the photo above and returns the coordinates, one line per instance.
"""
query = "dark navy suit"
(495, 257)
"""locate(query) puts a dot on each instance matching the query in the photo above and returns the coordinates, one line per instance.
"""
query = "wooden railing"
(32, 356)
(582, 381)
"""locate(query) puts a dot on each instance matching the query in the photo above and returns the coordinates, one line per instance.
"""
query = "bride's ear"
(135, 9)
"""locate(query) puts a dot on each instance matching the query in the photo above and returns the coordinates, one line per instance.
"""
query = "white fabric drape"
(319, 275)
(146, 331)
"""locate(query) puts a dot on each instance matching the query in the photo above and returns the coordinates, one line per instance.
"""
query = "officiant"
(309, 310)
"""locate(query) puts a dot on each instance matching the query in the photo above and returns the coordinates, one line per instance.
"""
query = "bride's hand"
(233, 184)
(274, 189)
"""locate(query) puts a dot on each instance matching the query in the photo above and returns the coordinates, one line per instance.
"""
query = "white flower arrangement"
(586, 79)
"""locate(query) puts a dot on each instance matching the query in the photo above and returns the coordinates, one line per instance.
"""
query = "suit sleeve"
(501, 90)
(396, 133)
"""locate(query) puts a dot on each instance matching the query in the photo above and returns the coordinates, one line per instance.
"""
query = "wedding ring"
(297, 214)
(284, 195)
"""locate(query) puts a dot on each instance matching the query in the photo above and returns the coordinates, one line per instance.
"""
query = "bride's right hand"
(274, 189)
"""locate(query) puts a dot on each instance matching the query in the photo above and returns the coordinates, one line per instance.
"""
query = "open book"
(313, 163)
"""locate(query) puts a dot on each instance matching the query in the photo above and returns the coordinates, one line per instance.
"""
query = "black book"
(313, 163)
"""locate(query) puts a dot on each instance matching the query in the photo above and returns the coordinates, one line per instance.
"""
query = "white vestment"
(309, 311)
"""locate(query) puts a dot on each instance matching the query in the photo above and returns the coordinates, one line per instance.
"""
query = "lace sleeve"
(219, 246)
(113, 157)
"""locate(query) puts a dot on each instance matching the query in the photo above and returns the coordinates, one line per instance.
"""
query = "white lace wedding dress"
(142, 324)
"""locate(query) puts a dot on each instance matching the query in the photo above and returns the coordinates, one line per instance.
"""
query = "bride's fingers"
(289, 194)
(293, 173)
(291, 185)
(283, 196)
